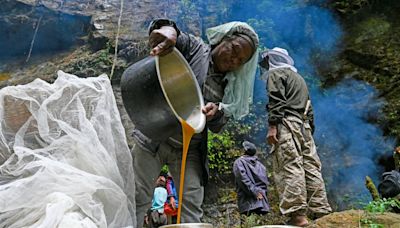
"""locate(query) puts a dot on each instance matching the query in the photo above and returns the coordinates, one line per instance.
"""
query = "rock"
(98, 26)
(357, 218)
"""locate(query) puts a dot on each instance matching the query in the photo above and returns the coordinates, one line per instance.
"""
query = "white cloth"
(64, 159)
(279, 58)
(238, 94)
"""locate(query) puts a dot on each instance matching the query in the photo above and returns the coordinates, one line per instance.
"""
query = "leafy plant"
(164, 169)
(218, 146)
(378, 206)
(382, 205)
(369, 222)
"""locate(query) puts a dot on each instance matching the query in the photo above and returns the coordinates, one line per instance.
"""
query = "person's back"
(295, 90)
(251, 182)
(159, 198)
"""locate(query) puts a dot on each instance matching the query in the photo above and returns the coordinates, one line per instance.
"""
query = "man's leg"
(147, 167)
(288, 171)
(316, 193)
(193, 191)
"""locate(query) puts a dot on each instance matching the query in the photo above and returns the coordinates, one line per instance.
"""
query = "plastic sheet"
(64, 159)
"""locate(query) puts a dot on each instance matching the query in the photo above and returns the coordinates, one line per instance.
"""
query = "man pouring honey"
(225, 70)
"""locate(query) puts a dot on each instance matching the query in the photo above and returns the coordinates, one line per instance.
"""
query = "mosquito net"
(64, 159)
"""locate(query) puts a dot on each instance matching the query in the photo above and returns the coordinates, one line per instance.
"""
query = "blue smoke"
(347, 144)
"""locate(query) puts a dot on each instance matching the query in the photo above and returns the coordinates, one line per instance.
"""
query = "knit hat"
(249, 148)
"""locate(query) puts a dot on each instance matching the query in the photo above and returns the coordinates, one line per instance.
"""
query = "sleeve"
(310, 118)
(158, 23)
(218, 122)
(187, 44)
(243, 179)
(192, 48)
(171, 188)
(277, 97)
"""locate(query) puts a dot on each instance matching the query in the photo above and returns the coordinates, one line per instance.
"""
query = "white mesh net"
(64, 159)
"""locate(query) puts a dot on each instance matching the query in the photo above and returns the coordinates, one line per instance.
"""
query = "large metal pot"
(158, 91)
(189, 225)
(275, 226)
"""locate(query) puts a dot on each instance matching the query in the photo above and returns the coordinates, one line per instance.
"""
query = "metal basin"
(275, 226)
(158, 91)
(189, 225)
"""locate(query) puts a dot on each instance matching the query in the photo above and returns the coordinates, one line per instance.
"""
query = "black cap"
(249, 148)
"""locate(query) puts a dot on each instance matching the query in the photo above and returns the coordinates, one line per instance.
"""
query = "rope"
(116, 39)
(33, 39)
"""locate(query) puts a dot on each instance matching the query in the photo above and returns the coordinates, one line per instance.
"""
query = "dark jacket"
(198, 55)
(250, 179)
(288, 96)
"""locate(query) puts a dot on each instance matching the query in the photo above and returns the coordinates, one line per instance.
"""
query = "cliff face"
(104, 14)
(78, 37)
(44, 36)
(371, 52)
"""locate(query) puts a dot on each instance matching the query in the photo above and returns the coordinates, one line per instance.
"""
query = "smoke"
(347, 143)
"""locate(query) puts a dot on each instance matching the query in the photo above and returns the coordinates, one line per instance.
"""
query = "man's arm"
(277, 97)
(310, 118)
(164, 35)
(276, 104)
(216, 119)
(171, 192)
(165, 32)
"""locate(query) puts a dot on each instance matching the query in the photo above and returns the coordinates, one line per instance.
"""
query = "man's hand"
(272, 135)
(259, 196)
(172, 202)
(210, 109)
(162, 40)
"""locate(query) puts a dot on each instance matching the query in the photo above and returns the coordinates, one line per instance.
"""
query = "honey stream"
(187, 132)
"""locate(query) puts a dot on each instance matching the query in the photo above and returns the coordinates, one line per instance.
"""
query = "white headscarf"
(238, 94)
(279, 58)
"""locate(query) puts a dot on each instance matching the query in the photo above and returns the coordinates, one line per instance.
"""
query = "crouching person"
(155, 216)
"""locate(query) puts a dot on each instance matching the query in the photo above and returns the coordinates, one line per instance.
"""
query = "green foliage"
(220, 151)
(249, 221)
(164, 169)
(369, 222)
(104, 55)
(188, 9)
(382, 205)
(225, 147)
(371, 28)
(378, 206)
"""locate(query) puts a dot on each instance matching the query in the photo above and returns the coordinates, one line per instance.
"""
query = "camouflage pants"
(297, 170)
